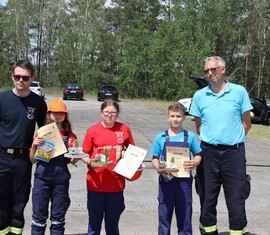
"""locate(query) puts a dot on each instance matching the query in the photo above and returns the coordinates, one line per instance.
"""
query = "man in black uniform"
(20, 111)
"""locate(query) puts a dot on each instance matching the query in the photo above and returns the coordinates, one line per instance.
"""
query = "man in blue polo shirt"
(222, 118)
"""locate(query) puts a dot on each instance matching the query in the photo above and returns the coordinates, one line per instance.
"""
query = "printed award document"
(176, 157)
(51, 133)
(129, 164)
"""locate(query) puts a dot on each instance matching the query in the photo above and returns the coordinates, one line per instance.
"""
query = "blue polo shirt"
(159, 141)
(221, 115)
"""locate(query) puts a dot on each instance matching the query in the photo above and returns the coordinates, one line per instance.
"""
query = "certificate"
(51, 133)
(176, 156)
(129, 164)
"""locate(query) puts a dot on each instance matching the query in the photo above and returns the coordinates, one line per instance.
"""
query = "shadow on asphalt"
(75, 233)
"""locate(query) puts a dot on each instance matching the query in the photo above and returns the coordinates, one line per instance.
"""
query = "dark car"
(73, 91)
(260, 112)
(107, 92)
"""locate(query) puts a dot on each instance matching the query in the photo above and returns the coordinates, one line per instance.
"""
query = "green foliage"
(147, 48)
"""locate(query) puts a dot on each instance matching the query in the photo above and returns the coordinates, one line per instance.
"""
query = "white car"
(37, 88)
(186, 102)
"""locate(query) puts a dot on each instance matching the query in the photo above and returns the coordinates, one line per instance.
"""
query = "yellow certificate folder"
(176, 157)
(51, 133)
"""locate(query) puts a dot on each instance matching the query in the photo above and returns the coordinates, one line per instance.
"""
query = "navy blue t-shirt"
(18, 118)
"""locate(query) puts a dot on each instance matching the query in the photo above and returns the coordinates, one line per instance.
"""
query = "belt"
(14, 150)
(223, 146)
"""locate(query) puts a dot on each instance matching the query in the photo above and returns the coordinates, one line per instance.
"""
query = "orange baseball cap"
(57, 106)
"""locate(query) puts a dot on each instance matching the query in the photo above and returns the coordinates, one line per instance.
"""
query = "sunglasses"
(18, 77)
(213, 70)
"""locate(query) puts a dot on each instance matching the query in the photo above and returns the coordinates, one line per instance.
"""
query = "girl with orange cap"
(51, 182)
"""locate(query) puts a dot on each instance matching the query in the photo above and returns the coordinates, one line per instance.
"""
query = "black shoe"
(205, 233)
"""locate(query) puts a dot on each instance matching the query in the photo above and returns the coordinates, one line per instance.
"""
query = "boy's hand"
(191, 164)
(163, 172)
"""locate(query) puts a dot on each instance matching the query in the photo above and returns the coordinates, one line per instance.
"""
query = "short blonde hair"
(177, 107)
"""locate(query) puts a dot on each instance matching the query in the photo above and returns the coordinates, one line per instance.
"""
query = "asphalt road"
(140, 215)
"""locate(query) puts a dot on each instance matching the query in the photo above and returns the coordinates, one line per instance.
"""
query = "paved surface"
(140, 216)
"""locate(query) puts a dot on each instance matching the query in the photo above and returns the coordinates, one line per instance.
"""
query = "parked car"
(107, 92)
(73, 91)
(37, 88)
(260, 112)
(186, 102)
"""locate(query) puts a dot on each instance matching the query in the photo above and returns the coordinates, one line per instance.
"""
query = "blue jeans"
(107, 205)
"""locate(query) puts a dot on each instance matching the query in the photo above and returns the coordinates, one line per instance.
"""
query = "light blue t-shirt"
(159, 140)
(221, 115)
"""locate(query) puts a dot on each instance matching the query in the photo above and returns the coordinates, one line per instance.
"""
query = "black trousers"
(223, 166)
(15, 184)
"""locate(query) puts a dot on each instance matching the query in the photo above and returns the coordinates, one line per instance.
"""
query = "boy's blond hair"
(177, 107)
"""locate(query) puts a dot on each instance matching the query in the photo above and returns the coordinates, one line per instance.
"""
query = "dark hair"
(24, 65)
(177, 107)
(110, 102)
(66, 124)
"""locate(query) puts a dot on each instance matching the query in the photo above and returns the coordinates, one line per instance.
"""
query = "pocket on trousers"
(247, 188)
(198, 186)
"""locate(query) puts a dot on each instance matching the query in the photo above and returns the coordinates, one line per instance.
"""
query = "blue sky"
(3, 2)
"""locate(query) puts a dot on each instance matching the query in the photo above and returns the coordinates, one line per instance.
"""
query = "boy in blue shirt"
(175, 193)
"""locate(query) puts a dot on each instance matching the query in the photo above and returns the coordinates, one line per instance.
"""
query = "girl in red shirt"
(105, 187)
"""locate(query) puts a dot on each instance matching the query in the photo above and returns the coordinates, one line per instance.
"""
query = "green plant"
(106, 153)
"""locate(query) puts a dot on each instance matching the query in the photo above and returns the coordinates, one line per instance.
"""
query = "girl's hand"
(89, 162)
(73, 161)
(119, 156)
(123, 153)
(37, 141)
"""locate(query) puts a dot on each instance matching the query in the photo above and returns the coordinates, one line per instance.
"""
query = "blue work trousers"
(107, 205)
(175, 194)
(51, 184)
(223, 166)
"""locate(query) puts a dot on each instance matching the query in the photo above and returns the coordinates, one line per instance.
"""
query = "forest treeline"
(147, 48)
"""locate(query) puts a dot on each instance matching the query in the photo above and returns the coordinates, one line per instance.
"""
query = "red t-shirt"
(71, 138)
(97, 138)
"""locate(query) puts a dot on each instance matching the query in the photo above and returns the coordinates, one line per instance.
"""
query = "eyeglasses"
(113, 113)
(213, 70)
(24, 78)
